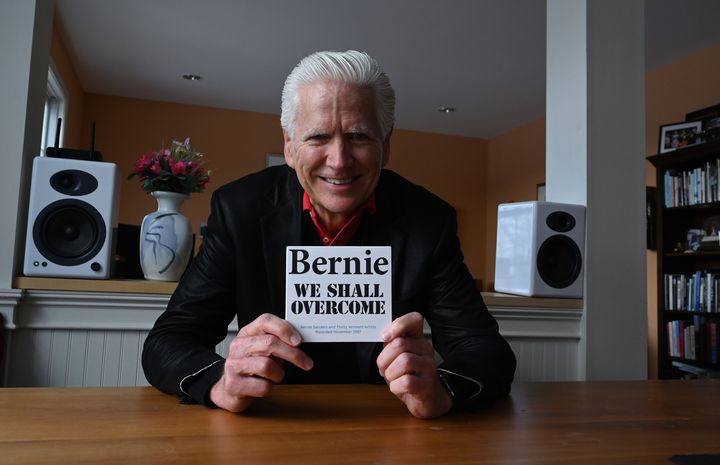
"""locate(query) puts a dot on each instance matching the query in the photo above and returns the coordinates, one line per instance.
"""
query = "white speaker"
(72, 219)
(540, 249)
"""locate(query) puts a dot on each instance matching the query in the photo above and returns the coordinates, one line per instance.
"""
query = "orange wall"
(455, 168)
(235, 143)
(516, 165)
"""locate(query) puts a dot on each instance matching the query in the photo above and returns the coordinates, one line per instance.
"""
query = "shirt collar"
(347, 230)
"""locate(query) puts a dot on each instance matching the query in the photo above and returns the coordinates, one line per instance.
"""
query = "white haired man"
(337, 119)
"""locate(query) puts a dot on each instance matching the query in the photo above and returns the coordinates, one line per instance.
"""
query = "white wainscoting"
(546, 341)
(70, 338)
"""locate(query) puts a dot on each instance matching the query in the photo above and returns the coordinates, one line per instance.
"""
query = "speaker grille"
(69, 232)
(559, 261)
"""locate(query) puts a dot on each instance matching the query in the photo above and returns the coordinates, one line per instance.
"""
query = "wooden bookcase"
(688, 281)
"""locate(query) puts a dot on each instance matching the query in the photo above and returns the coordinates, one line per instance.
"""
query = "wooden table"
(545, 423)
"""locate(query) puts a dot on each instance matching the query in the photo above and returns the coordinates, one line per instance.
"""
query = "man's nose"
(339, 155)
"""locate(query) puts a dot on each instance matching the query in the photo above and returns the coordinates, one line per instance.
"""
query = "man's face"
(337, 150)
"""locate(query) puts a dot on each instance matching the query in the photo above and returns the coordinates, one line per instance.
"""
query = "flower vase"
(165, 239)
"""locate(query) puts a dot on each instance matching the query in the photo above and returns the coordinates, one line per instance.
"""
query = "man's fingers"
(239, 387)
(408, 384)
(402, 345)
(262, 367)
(266, 346)
(409, 325)
(409, 364)
(268, 323)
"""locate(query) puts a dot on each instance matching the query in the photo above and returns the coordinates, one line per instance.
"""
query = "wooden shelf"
(95, 285)
(492, 299)
(700, 253)
(496, 299)
(689, 313)
(696, 363)
(684, 157)
(699, 208)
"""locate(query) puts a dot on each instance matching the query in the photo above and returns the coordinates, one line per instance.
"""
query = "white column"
(594, 146)
(25, 36)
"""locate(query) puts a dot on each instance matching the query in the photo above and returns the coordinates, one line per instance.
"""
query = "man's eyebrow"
(312, 132)
(358, 130)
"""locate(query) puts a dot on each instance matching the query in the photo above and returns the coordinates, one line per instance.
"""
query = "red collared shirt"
(347, 230)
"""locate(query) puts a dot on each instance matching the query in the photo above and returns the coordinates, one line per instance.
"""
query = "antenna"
(74, 154)
(57, 134)
(92, 141)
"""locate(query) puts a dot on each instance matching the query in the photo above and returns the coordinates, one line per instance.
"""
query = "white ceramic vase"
(165, 239)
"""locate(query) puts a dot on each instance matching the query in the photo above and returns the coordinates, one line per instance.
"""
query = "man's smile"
(338, 181)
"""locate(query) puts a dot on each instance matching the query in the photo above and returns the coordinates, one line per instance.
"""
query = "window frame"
(55, 107)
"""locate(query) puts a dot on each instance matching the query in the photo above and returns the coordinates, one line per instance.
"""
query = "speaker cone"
(559, 261)
(69, 232)
(560, 221)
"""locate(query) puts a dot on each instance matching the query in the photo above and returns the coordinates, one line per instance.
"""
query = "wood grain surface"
(630, 422)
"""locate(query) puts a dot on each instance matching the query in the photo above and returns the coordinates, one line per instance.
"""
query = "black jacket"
(240, 273)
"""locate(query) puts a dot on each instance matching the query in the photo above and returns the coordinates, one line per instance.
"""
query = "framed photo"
(678, 135)
(274, 159)
(704, 115)
(710, 118)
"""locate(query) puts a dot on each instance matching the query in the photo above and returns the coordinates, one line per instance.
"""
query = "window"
(55, 107)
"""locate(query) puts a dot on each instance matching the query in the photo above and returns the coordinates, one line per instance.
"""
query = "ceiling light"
(446, 109)
(192, 77)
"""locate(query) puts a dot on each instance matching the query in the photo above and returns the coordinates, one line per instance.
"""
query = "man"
(337, 119)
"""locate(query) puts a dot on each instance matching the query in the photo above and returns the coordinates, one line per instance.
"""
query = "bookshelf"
(688, 250)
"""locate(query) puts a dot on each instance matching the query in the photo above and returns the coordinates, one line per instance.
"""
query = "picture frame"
(679, 135)
(704, 115)
(274, 159)
(710, 118)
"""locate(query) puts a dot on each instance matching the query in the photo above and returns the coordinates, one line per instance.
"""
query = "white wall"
(25, 35)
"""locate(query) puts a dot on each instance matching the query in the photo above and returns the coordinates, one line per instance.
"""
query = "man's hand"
(253, 365)
(408, 364)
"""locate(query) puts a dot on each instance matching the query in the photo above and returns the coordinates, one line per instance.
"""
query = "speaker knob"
(95, 266)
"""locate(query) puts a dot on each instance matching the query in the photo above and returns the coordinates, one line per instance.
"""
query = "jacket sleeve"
(179, 354)
(477, 361)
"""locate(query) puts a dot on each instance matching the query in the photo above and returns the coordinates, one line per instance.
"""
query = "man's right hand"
(253, 365)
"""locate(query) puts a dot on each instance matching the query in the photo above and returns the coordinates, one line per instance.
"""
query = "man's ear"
(288, 149)
(386, 148)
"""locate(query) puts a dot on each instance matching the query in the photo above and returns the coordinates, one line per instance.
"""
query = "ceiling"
(486, 58)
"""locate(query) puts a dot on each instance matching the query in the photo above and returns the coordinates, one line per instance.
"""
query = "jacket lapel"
(383, 228)
(281, 227)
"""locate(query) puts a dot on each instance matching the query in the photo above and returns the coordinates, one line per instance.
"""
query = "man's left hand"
(407, 363)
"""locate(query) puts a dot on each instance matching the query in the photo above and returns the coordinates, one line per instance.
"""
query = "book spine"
(714, 343)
